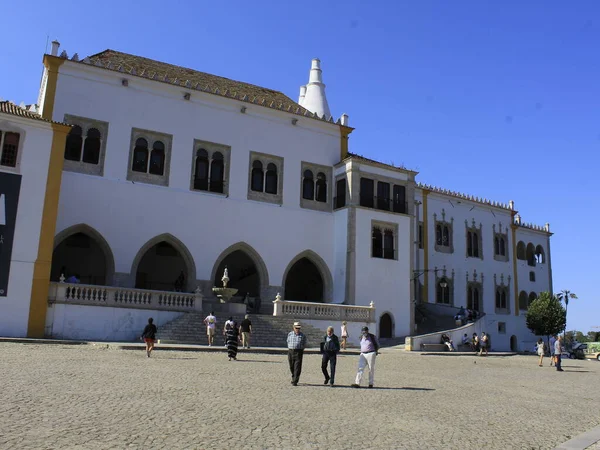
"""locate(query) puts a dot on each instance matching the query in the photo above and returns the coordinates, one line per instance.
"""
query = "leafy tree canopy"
(546, 316)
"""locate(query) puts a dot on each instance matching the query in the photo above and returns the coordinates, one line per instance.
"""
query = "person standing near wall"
(149, 336)
(344, 334)
(558, 353)
(296, 342)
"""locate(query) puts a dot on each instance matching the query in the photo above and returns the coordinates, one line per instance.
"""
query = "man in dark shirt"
(246, 329)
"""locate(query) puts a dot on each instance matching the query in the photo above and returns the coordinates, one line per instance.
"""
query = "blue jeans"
(558, 362)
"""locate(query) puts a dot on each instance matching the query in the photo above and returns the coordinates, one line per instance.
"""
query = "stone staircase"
(267, 331)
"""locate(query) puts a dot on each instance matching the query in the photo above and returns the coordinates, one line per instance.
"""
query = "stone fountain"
(224, 293)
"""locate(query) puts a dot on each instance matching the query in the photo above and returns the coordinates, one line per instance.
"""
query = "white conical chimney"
(302, 95)
(315, 100)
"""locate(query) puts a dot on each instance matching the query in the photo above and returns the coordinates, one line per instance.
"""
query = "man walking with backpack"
(369, 349)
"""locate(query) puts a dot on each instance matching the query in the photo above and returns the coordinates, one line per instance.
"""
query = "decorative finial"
(62, 278)
(278, 297)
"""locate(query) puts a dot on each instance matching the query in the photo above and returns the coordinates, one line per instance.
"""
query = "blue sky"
(495, 99)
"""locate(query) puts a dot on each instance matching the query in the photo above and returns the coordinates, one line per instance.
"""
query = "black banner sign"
(10, 186)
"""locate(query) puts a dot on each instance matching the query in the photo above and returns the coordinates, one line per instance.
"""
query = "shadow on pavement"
(376, 388)
(258, 361)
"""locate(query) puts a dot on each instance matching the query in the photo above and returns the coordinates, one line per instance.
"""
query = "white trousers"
(366, 359)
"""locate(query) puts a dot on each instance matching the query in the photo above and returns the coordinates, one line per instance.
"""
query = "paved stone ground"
(56, 396)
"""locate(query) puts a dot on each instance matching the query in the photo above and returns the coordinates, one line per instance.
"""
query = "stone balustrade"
(323, 311)
(118, 297)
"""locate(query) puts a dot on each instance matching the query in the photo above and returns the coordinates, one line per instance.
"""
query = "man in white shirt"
(558, 354)
(211, 322)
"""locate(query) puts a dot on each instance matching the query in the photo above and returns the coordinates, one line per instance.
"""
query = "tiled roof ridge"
(22, 110)
(290, 106)
(187, 68)
(392, 166)
(471, 198)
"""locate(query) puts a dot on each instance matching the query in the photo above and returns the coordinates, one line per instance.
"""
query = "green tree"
(593, 336)
(566, 295)
(546, 316)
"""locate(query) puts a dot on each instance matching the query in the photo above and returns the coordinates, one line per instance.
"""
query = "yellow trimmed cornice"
(41, 269)
(52, 63)
(425, 246)
(345, 132)
(513, 229)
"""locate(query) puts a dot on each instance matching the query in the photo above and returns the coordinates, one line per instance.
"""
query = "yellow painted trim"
(345, 132)
(513, 228)
(52, 63)
(425, 247)
(41, 269)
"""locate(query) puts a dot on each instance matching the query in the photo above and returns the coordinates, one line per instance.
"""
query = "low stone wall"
(415, 343)
(101, 323)
(353, 328)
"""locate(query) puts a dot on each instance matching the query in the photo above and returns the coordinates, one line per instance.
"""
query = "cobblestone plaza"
(93, 397)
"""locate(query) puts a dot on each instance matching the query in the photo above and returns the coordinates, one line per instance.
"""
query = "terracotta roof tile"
(379, 163)
(7, 107)
(193, 79)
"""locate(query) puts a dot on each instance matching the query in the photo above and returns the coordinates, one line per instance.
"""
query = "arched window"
(502, 247)
(476, 299)
(469, 243)
(217, 167)
(496, 246)
(201, 174)
(445, 235)
(257, 177)
(321, 188)
(438, 234)
(308, 186)
(140, 156)
(271, 179)
(540, 257)
(377, 250)
(521, 250)
(532, 297)
(157, 159)
(501, 299)
(73, 146)
(10, 147)
(443, 291)
(523, 300)
(91, 147)
(530, 253)
(388, 244)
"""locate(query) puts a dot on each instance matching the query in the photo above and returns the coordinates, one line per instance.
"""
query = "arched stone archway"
(307, 278)
(386, 326)
(165, 264)
(247, 270)
(82, 251)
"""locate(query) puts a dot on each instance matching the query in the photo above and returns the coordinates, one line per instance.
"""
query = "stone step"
(268, 330)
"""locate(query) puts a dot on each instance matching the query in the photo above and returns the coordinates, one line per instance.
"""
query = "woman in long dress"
(232, 336)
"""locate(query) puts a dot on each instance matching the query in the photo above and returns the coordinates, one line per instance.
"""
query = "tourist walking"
(540, 350)
(330, 347)
(246, 330)
(296, 342)
(149, 336)
(552, 344)
(232, 336)
(558, 353)
(228, 323)
(211, 323)
(369, 349)
(483, 344)
(344, 334)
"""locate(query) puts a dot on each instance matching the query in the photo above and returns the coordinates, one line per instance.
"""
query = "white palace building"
(164, 176)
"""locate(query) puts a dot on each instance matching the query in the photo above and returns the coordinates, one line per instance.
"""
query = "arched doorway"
(82, 252)
(243, 274)
(162, 267)
(386, 327)
(304, 282)
(514, 347)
